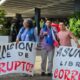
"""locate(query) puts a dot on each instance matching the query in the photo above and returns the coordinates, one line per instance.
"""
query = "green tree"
(74, 23)
(3, 30)
(2, 16)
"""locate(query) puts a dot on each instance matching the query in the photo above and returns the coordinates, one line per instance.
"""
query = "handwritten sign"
(66, 63)
(17, 58)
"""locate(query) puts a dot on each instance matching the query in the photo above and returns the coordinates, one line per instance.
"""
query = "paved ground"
(21, 77)
(36, 77)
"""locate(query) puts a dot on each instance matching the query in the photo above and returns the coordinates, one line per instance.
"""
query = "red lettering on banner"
(67, 72)
(23, 66)
(29, 67)
(61, 74)
(74, 74)
(56, 73)
(2, 65)
(9, 66)
(17, 64)
(79, 77)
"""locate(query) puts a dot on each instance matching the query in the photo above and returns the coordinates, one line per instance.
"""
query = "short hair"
(48, 20)
(62, 23)
(29, 21)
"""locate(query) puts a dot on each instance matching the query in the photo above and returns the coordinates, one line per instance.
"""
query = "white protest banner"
(17, 58)
(66, 63)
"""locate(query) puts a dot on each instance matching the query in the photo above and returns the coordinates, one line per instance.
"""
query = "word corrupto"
(66, 74)
(16, 65)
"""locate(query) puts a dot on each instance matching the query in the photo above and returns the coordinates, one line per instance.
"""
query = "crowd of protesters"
(51, 35)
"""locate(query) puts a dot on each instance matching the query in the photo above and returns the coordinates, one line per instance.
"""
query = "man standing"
(65, 36)
(47, 48)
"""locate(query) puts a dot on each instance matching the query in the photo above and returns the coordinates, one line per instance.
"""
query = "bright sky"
(2, 1)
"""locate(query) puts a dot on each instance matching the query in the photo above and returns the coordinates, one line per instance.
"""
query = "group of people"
(50, 36)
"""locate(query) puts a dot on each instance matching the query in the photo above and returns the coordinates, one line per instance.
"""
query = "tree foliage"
(74, 23)
(2, 16)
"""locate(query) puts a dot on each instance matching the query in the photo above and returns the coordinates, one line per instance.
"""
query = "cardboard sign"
(17, 58)
(66, 63)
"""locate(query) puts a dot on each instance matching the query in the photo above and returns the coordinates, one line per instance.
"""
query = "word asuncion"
(70, 52)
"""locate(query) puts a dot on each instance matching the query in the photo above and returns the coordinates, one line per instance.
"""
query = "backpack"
(30, 33)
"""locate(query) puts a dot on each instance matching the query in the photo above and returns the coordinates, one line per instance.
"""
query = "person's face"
(48, 23)
(61, 26)
(41, 20)
(25, 24)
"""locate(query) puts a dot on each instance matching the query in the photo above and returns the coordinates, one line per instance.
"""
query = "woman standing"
(27, 32)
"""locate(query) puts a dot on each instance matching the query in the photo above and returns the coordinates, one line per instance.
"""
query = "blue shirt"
(24, 36)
